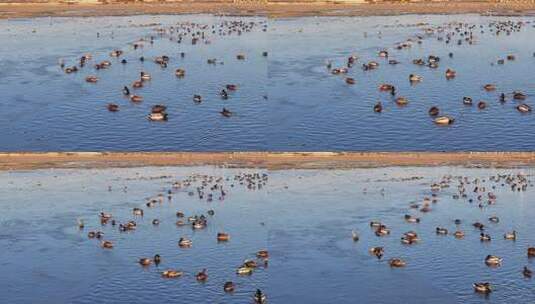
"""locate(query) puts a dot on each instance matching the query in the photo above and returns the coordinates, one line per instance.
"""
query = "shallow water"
(46, 258)
(307, 107)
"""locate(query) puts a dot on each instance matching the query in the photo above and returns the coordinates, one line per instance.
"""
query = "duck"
(523, 108)
(244, 270)
(112, 107)
(484, 237)
(385, 87)
(494, 219)
(489, 87)
(481, 105)
(482, 287)
(259, 297)
(492, 260)
(458, 234)
(136, 98)
(510, 235)
(171, 273)
(180, 73)
(531, 252)
(137, 84)
(433, 111)
(467, 101)
(382, 231)
(354, 236)
(223, 237)
(157, 259)
(184, 242)
(350, 80)
(527, 272)
(397, 262)
(444, 120)
(415, 78)
(240, 57)
(411, 219)
(442, 231)
(160, 116)
(450, 74)
(249, 263)
(377, 251)
(145, 261)
(378, 107)
(383, 54)
(262, 254)
(409, 238)
(156, 222)
(519, 95)
(225, 112)
(375, 224)
(106, 244)
(401, 101)
(229, 286)
(223, 94)
(197, 98)
(231, 87)
(91, 79)
(202, 276)
(145, 76)
(137, 211)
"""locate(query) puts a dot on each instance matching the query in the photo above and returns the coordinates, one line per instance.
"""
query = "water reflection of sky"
(304, 218)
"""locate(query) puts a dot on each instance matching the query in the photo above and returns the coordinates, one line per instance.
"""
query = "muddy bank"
(276, 9)
(268, 160)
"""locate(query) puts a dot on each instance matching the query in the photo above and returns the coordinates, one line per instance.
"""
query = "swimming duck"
(489, 87)
(156, 222)
(112, 107)
(393, 62)
(377, 251)
(410, 238)
(106, 244)
(157, 259)
(259, 297)
(223, 94)
(378, 107)
(225, 112)
(482, 287)
(223, 237)
(91, 79)
(519, 95)
(492, 260)
(444, 120)
(229, 286)
(179, 214)
(262, 254)
(397, 262)
(145, 261)
(136, 98)
(510, 235)
(481, 105)
(171, 273)
(415, 78)
(264, 54)
(231, 87)
(137, 211)
(354, 236)
(467, 101)
(157, 116)
(383, 54)
(433, 111)
(202, 276)
(401, 101)
(180, 223)
(197, 98)
(527, 272)
(458, 234)
(180, 73)
(244, 270)
(442, 231)
(523, 108)
(385, 87)
(382, 231)
(494, 219)
(478, 225)
(411, 219)
(145, 76)
(137, 84)
(184, 242)
(240, 57)
(450, 74)
(531, 252)
(350, 80)
(375, 224)
(484, 237)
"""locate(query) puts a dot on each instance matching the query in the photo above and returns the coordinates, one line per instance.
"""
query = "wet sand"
(276, 9)
(268, 160)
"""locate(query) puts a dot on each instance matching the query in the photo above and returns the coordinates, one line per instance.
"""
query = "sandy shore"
(271, 9)
(268, 160)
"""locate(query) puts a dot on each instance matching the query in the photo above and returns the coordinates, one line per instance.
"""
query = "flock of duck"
(194, 33)
(459, 33)
(474, 191)
(206, 188)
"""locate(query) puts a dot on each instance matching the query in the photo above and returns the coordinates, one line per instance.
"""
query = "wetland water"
(287, 101)
(312, 258)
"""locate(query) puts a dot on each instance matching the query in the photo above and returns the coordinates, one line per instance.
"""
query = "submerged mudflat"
(303, 218)
(222, 83)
